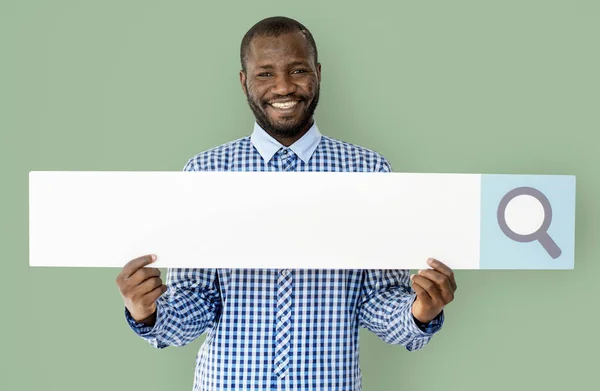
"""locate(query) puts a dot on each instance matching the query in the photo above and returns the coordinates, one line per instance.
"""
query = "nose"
(283, 85)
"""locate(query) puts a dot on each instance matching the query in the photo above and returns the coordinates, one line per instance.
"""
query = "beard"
(289, 128)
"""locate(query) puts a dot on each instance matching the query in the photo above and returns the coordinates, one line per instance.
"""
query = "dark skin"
(140, 287)
(280, 71)
(435, 289)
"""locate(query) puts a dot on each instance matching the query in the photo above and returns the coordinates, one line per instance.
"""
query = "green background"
(435, 86)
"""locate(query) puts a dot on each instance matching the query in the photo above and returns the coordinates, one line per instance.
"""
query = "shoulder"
(355, 154)
(218, 158)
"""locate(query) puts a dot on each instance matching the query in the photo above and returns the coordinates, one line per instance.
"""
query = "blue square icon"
(527, 222)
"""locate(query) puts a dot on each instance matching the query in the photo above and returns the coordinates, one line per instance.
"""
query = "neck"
(287, 141)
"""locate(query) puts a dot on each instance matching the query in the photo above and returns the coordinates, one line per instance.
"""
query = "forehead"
(283, 48)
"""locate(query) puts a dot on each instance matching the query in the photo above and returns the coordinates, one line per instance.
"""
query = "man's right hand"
(140, 287)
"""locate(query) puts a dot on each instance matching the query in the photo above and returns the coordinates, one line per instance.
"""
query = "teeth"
(285, 105)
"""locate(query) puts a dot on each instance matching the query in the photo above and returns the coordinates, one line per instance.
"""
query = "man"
(283, 329)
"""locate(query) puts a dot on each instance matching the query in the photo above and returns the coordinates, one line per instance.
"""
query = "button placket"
(283, 324)
(289, 160)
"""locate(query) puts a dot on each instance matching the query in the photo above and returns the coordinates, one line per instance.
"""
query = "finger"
(136, 264)
(148, 286)
(153, 295)
(441, 280)
(430, 287)
(444, 269)
(421, 293)
(142, 275)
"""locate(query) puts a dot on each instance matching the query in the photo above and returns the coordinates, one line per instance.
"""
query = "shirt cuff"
(143, 330)
(425, 329)
(431, 327)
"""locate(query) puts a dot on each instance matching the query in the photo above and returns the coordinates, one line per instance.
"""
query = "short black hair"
(274, 27)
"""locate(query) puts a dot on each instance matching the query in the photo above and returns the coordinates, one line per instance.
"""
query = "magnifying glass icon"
(541, 233)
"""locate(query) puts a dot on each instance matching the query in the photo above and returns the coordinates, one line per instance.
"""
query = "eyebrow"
(294, 63)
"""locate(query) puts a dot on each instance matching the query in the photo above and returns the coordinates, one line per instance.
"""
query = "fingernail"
(153, 257)
(430, 261)
(412, 276)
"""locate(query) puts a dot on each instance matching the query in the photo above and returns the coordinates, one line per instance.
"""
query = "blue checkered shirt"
(322, 311)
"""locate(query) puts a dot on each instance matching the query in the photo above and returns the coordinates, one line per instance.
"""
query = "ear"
(319, 71)
(243, 82)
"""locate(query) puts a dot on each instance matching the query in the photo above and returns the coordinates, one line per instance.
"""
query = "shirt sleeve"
(189, 307)
(385, 306)
(387, 300)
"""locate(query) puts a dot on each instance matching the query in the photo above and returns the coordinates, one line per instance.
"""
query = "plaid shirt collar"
(267, 146)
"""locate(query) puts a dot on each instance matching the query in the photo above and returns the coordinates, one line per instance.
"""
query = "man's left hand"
(435, 289)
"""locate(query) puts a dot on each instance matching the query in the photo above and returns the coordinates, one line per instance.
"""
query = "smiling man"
(279, 329)
(280, 77)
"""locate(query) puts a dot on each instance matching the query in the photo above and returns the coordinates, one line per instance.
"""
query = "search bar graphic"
(318, 220)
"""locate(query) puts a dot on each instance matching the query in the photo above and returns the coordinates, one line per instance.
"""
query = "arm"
(190, 306)
(387, 300)
(384, 308)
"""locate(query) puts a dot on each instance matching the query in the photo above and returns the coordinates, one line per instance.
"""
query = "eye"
(264, 74)
(300, 71)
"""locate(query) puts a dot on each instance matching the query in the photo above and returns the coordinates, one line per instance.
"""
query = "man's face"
(281, 83)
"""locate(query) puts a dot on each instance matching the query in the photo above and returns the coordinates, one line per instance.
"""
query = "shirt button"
(285, 272)
(285, 151)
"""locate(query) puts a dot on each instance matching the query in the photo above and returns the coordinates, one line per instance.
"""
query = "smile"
(284, 105)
